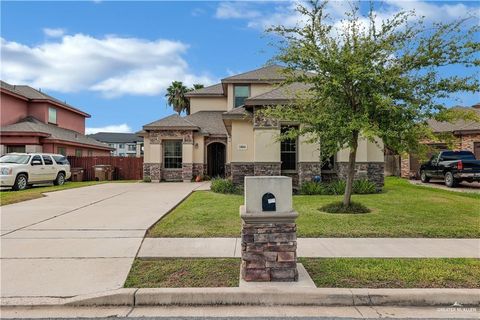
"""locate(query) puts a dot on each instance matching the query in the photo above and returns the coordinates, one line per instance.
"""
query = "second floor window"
(241, 93)
(288, 152)
(172, 154)
(62, 151)
(52, 115)
(132, 147)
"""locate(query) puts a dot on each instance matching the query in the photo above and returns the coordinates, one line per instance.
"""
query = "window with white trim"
(172, 154)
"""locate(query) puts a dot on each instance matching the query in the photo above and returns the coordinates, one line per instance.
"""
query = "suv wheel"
(60, 180)
(21, 182)
(423, 176)
(449, 180)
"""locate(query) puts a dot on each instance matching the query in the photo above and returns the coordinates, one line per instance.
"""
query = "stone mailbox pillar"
(269, 237)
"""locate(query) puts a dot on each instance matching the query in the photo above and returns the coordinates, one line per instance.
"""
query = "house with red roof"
(33, 121)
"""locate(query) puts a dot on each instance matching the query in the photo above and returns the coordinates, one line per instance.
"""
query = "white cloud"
(54, 33)
(236, 10)
(113, 65)
(284, 13)
(123, 128)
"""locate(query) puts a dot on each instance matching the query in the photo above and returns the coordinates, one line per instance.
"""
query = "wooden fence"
(125, 168)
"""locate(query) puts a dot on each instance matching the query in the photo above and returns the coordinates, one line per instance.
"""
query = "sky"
(114, 60)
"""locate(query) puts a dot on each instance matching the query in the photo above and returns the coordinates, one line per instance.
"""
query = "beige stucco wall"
(198, 148)
(366, 152)
(308, 152)
(208, 104)
(267, 146)
(187, 153)
(242, 133)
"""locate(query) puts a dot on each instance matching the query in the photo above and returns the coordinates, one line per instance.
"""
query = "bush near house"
(362, 186)
(225, 186)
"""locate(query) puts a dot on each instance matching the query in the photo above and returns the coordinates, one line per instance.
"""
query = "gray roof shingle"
(279, 95)
(31, 124)
(459, 125)
(207, 122)
(214, 90)
(271, 73)
(115, 137)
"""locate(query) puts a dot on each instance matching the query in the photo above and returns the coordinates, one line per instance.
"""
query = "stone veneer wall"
(241, 169)
(373, 171)
(198, 169)
(172, 174)
(307, 170)
(269, 252)
(267, 168)
(152, 171)
(187, 171)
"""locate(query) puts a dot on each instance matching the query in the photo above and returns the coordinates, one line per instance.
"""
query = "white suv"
(19, 170)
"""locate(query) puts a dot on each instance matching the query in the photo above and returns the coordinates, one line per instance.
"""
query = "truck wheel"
(423, 177)
(60, 180)
(449, 180)
(21, 182)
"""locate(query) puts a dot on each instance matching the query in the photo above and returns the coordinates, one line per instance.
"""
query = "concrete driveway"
(80, 241)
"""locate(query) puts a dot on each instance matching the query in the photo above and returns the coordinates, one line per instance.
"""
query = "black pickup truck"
(451, 166)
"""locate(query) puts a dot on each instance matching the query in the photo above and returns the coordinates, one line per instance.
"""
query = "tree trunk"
(351, 170)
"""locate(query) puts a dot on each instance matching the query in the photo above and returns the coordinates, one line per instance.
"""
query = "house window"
(16, 149)
(52, 115)
(241, 93)
(121, 146)
(288, 152)
(132, 147)
(90, 153)
(328, 164)
(172, 154)
(62, 151)
(78, 152)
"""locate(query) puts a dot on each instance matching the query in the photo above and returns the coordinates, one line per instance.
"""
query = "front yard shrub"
(312, 188)
(336, 187)
(338, 207)
(147, 179)
(220, 185)
(364, 186)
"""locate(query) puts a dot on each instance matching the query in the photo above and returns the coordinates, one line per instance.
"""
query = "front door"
(216, 159)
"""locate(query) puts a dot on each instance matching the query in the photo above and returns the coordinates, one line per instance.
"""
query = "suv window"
(37, 158)
(61, 160)
(47, 160)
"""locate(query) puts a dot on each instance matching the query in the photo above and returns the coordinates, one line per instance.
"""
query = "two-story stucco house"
(33, 121)
(224, 136)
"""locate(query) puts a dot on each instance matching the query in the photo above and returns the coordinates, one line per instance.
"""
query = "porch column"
(187, 161)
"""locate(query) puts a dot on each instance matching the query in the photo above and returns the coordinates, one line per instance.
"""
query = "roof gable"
(271, 73)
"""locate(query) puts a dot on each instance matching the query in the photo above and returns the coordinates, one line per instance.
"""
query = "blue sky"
(115, 59)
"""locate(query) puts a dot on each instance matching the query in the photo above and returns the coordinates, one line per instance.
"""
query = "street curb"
(261, 297)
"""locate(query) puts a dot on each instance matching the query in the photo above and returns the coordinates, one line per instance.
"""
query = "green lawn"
(326, 273)
(9, 197)
(393, 273)
(174, 273)
(401, 210)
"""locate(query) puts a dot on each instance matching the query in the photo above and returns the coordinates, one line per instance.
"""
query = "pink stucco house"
(32, 121)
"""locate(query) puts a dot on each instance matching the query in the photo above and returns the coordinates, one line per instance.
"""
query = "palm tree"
(176, 96)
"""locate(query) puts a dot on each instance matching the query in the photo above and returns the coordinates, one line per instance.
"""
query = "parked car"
(451, 166)
(20, 170)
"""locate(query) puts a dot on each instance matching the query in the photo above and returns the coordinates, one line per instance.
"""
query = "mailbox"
(269, 202)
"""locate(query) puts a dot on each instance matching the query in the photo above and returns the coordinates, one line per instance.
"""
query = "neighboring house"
(466, 137)
(225, 136)
(32, 121)
(124, 144)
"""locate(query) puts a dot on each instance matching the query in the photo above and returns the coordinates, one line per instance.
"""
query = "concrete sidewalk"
(80, 241)
(319, 247)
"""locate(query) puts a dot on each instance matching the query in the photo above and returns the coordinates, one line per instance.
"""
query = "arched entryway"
(216, 159)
